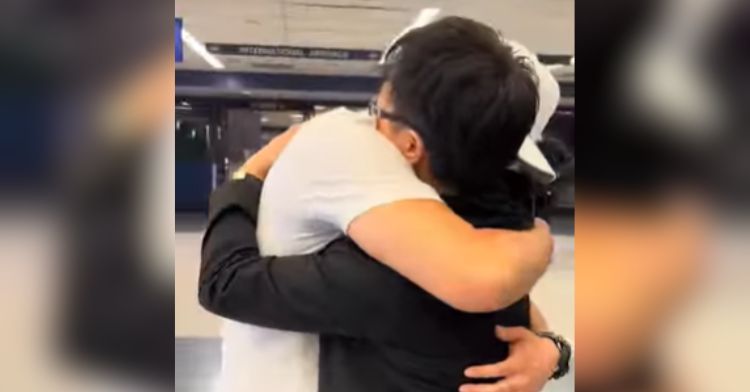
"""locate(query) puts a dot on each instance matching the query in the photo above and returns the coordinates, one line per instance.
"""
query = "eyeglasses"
(378, 112)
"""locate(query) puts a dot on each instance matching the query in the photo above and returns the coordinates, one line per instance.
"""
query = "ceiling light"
(196, 46)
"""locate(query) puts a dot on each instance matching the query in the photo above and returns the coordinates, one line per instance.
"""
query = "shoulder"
(344, 132)
(342, 143)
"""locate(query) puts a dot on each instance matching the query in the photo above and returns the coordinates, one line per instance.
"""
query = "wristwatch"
(563, 364)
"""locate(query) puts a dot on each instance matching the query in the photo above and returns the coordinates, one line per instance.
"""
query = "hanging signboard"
(293, 52)
(326, 53)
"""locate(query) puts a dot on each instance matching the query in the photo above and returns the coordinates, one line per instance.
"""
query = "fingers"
(291, 131)
(541, 224)
(283, 138)
(481, 388)
(495, 370)
(506, 385)
(512, 334)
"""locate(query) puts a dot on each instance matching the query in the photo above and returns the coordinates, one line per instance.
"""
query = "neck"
(424, 173)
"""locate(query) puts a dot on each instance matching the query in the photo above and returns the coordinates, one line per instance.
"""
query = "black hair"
(464, 92)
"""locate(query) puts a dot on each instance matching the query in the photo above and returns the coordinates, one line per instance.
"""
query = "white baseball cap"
(530, 158)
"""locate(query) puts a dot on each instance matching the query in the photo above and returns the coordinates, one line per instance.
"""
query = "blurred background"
(661, 195)
(102, 206)
(251, 69)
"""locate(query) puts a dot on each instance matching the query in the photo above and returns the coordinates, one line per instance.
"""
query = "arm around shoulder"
(473, 270)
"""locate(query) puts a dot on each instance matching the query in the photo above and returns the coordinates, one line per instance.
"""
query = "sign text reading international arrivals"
(293, 52)
(327, 53)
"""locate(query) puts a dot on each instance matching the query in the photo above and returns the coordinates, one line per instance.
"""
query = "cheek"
(380, 127)
(384, 128)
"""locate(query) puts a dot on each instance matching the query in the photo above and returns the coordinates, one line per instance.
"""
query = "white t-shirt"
(337, 167)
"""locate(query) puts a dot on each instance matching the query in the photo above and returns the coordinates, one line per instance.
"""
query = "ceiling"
(545, 26)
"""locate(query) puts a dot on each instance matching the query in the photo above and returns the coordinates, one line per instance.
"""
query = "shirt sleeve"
(344, 167)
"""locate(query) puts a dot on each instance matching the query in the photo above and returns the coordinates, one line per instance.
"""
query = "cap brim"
(423, 19)
(534, 161)
(529, 154)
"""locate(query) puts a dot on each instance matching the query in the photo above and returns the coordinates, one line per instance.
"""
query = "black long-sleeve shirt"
(379, 332)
